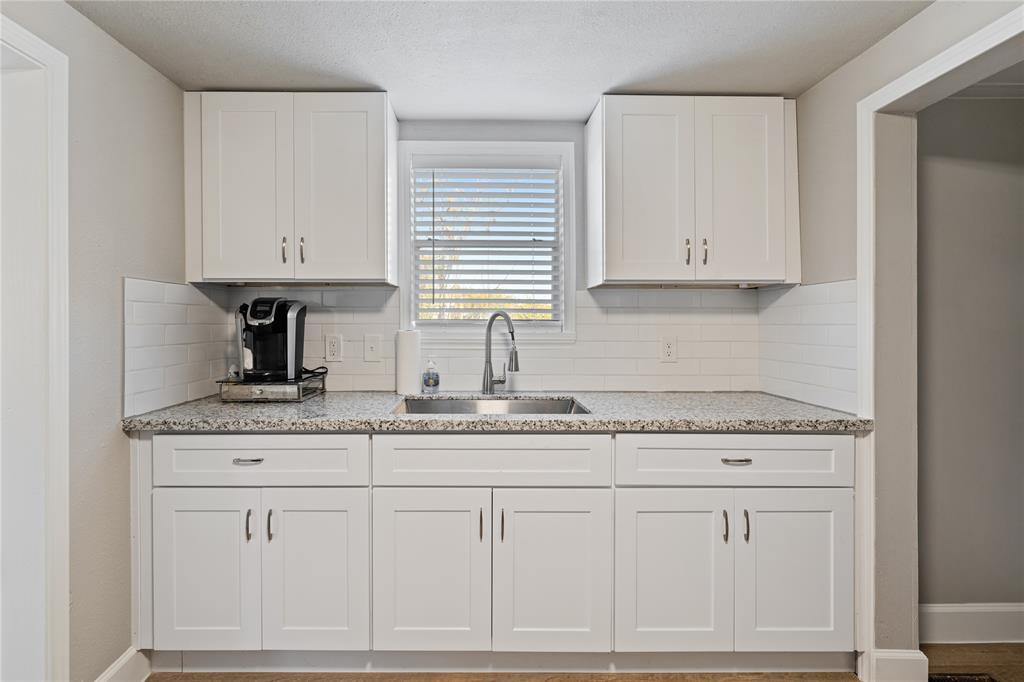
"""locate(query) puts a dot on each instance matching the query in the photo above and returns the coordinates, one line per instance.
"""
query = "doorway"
(971, 363)
(33, 359)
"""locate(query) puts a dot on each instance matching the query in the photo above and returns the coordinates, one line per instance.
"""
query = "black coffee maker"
(270, 337)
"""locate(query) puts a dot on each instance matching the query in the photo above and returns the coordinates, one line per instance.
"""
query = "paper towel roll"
(407, 362)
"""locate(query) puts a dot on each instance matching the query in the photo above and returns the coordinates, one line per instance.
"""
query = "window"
(486, 226)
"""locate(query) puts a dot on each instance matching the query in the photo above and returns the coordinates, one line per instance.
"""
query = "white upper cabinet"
(292, 186)
(247, 185)
(341, 185)
(692, 189)
(648, 159)
(740, 188)
(552, 570)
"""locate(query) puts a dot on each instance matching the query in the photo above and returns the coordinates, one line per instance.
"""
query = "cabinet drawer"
(492, 460)
(261, 460)
(734, 460)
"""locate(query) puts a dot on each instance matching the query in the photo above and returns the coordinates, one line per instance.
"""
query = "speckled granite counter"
(749, 412)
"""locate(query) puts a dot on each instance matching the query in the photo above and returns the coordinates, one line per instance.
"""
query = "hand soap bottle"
(431, 379)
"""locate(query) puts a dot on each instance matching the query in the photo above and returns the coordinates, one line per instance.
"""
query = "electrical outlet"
(668, 349)
(332, 347)
(371, 348)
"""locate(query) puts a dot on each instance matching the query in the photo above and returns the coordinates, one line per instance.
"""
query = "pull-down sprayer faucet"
(513, 356)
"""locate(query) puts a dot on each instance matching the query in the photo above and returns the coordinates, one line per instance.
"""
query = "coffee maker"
(270, 336)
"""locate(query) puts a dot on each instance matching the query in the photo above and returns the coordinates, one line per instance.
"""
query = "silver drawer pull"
(737, 461)
(247, 462)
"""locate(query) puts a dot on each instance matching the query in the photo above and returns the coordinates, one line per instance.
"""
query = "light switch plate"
(332, 347)
(371, 348)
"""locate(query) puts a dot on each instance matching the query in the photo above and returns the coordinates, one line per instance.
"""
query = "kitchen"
(585, 373)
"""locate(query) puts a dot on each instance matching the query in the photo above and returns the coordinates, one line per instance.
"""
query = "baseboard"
(131, 666)
(490, 662)
(971, 623)
(893, 665)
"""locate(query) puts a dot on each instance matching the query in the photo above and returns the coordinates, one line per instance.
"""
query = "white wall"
(828, 125)
(126, 218)
(971, 351)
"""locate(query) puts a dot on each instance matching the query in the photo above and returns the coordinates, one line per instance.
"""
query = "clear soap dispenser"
(431, 378)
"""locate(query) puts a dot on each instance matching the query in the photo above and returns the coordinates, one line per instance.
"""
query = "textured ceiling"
(499, 60)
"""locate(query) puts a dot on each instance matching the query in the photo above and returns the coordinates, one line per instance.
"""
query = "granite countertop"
(611, 411)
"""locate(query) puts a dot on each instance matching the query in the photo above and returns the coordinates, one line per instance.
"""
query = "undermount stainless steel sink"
(490, 406)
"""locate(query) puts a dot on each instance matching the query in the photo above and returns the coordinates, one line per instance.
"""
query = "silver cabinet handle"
(270, 533)
(737, 461)
(705, 251)
(746, 519)
(725, 535)
(248, 529)
(302, 249)
(284, 245)
(481, 524)
(687, 250)
(247, 461)
(503, 525)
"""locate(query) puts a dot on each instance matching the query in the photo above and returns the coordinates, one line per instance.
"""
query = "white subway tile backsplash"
(176, 343)
(157, 313)
(807, 346)
(799, 342)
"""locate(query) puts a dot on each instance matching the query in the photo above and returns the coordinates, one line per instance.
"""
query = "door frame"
(886, 197)
(58, 592)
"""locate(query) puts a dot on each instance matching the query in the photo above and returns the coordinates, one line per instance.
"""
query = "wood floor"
(1004, 662)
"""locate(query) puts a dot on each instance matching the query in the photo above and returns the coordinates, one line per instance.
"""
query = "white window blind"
(486, 239)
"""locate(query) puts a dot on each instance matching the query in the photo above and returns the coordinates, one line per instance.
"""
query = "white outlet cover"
(667, 350)
(371, 348)
(332, 347)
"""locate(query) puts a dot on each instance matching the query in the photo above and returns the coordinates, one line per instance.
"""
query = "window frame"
(471, 335)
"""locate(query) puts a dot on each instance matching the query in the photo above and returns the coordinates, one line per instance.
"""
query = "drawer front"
(734, 460)
(261, 460)
(492, 460)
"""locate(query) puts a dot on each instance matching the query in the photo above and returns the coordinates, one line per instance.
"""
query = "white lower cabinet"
(431, 569)
(206, 568)
(251, 568)
(794, 570)
(674, 570)
(552, 570)
(734, 569)
(316, 568)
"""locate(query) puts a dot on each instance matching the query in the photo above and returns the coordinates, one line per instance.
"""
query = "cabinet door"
(248, 214)
(740, 188)
(552, 570)
(431, 569)
(674, 570)
(316, 568)
(206, 568)
(794, 570)
(649, 210)
(341, 185)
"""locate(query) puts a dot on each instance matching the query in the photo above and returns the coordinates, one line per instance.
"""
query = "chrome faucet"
(513, 356)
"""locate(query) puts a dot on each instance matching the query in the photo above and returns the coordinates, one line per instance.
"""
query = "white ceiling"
(500, 59)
